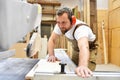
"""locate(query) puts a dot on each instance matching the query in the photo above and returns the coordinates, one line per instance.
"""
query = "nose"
(61, 26)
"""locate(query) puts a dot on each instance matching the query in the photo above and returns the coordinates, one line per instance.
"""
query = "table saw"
(16, 68)
(44, 70)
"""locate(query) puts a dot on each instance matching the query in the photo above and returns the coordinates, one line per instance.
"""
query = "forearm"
(84, 51)
(84, 56)
(51, 45)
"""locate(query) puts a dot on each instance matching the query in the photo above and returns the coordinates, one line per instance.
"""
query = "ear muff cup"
(73, 19)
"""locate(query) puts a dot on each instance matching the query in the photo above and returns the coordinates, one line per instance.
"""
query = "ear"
(73, 20)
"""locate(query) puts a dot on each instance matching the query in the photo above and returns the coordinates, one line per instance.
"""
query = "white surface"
(102, 4)
(48, 67)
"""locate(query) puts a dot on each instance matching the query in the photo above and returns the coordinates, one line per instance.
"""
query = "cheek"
(68, 26)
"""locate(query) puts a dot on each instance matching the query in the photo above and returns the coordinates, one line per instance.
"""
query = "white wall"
(102, 4)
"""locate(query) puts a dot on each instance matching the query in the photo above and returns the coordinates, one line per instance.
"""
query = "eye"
(63, 22)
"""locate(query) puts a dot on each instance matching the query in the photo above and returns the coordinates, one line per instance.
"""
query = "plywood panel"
(114, 29)
(115, 47)
(115, 4)
(20, 50)
(115, 38)
(114, 19)
(115, 56)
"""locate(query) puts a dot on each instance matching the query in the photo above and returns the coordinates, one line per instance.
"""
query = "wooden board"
(48, 67)
(102, 15)
(114, 29)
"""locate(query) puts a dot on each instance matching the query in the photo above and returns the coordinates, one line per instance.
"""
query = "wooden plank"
(43, 51)
(49, 22)
(104, 44)
(102, 15)
(55, 3)
(47, 67)
(43, 66)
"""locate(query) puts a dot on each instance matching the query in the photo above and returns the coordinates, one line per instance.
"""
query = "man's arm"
(51, 45)
(82, 70)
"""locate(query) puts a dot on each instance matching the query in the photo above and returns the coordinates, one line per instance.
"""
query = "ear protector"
(73, 20)
(71, 17)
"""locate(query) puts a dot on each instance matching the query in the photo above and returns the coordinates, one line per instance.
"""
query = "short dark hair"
(67, 10)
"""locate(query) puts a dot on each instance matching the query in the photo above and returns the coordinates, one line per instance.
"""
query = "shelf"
(52, 12)
(51, 3)
(48, 22)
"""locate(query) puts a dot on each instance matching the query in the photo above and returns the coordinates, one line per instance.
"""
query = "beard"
(64, 31)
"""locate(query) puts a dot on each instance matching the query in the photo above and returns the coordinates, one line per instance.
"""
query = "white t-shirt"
(82, 31)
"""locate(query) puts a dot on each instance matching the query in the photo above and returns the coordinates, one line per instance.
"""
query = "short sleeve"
(84, 31)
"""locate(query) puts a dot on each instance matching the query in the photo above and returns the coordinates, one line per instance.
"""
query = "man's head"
(61, 11)
(64, 19)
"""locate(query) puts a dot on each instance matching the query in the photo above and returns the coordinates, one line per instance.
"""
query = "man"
(79, 34)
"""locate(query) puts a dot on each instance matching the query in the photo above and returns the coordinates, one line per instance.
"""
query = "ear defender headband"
(71, 17)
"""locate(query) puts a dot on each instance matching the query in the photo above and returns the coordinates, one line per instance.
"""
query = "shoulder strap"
(78, 25)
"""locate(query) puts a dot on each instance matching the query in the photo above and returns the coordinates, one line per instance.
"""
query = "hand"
(52, 58)
(83, 71)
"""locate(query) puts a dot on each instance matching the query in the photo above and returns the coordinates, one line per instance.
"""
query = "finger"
(48, 60)
(82, 73)
(52, 60)
(90, 72)
(77, 72)
(87, 73)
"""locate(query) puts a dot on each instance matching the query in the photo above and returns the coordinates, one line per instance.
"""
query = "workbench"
(16, 68)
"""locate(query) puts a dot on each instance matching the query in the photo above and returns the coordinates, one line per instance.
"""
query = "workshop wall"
(114, 32)
(102, 18)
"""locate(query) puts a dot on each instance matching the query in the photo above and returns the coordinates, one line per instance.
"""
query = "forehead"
(64, 16)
